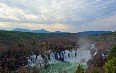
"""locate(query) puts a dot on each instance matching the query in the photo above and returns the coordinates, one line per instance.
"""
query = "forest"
(15, 47)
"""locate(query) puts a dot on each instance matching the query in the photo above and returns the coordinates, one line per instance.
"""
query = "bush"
(80, 69)
(0, 70)
(36, 70)
(112, 53)
(24, 70)
(28, 69)
(96, 70)
(110, 66)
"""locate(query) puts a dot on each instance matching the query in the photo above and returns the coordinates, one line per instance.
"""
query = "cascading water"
(52, 58)
(76, 55)
(35, 60)
(66, 55)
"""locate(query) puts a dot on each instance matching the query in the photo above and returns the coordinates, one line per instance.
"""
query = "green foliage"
(110, 66)
(96, 70)
(80, 69)
(0, 71)
(112, 53)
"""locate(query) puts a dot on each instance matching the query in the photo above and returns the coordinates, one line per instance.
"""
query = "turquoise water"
(61, 67)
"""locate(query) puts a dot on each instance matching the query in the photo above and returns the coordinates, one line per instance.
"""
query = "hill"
(94, 32)
(36, 31)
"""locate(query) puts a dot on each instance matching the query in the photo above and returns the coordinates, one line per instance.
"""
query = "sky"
(58, 15)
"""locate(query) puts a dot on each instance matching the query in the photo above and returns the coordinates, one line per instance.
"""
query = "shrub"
(110, 66)
(96, 70)
(112, 53)
(80, 69)
(24, 70)
(36, 70)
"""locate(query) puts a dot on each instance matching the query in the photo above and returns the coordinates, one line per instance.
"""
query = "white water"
(66, 55)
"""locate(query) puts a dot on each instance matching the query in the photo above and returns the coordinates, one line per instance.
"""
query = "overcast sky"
(58, 15)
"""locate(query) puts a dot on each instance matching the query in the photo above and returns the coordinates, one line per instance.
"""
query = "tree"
(0, 70)
(96, 70)
(24, 70)
(80, 69)
(112, 53)
(110, 66)
(36, 70)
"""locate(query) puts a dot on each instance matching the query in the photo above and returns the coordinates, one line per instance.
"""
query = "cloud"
(51, 27)
(56, 10)
(107, 23)
(15, 13)
(73, 13)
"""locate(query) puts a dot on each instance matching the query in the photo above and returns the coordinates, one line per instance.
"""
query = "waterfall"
(66, 55)
(52, 58)
(74, 55)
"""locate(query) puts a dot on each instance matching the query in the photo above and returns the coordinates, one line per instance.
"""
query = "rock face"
(98, 57)
(83, 60)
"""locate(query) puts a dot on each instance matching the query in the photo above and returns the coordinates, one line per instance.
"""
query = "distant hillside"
(40, 31)
(27, 30)
(36, 31)
(94, 32)
(46, 31)
(22, 30)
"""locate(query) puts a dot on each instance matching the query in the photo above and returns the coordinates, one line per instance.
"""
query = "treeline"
(33, 41)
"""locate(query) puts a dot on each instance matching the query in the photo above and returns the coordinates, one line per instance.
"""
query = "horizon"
(58, 15)
(46, 31)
